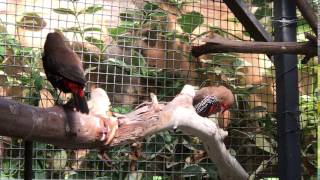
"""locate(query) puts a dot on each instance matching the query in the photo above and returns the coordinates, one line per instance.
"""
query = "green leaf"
(124, 27)
(72, 29)
(97, 42)
(182, 37)
(263, 144)
(193, 170)
(90, 10)
(211, 170)
(92, 29)
(131, 15)
(220, 58)
(138, 59)
(38, 80)
(114, 32)
(259, 109)
(190, 21)
(40, 174)
(263, 11)
(3, 29)
(240, 63)
(157, 14)
(119, 63)
(88, 70)
(60, 160)
(248, 89)
(64, 11)
(128, 24)
(150, 6)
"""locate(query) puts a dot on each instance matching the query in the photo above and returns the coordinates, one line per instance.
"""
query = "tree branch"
(308, 13)
(48, 125)
(218, 44)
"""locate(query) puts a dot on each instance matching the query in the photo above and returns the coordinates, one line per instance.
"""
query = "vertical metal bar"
(287, 92)
(28, 148)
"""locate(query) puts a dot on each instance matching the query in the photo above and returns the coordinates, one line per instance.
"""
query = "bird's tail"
(81, 103)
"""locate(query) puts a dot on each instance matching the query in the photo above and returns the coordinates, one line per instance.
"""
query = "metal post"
(287, 92)
(28, 160)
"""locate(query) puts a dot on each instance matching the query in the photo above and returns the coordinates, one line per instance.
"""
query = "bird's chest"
(53, 76)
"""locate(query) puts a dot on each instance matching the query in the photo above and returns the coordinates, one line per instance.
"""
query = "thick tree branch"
(308, 13)
(48, 125)
(218, 44)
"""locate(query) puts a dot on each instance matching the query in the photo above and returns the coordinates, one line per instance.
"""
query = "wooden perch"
(218, 44)
(48, 125)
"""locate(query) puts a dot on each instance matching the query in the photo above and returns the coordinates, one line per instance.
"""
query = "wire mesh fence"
(133, 48)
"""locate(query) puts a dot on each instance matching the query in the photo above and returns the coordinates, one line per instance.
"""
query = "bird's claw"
(110, 128)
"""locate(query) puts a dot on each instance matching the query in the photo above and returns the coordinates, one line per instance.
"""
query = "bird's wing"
(200, 94)
(67, 64)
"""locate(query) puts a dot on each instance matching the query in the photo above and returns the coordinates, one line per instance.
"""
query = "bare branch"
(218, 44)
(308, 13)
(48, 125)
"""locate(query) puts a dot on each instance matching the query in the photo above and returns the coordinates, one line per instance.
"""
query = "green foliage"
(75, 12)
(190, 21)
(65, 11)
(78, 29)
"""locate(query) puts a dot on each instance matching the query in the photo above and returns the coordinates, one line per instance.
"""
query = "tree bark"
(48, 125)
(308, 13)
(218, 44)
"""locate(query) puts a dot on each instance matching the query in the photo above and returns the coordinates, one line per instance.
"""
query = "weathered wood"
(48, 125)
(308, 13)
(222, 45)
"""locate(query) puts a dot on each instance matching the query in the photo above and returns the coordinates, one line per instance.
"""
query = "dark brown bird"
(64, 70)
(210, 100)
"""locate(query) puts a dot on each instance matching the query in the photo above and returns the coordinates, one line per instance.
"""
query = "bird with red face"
(64, 70)
(210, 100)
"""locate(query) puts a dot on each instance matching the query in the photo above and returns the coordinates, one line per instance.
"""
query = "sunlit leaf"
(157, 14)
(131, 15)
(97, 42)
(60, 160)
(72, 29)
(259, 109)
(64, 11)
(92, 29)
(123, 28)
(90, 10)
(119, 63)
(193, 170)
(248, 89)
(240, 63)
(150, 6)
(114, 32)
(139, 61)
(264, 144)
(190, 21)
(88, 70)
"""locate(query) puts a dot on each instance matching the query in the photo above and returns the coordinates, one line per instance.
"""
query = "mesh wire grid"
(132, 48)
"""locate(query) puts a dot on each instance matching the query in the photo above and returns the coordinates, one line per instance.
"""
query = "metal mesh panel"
(133, 48)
